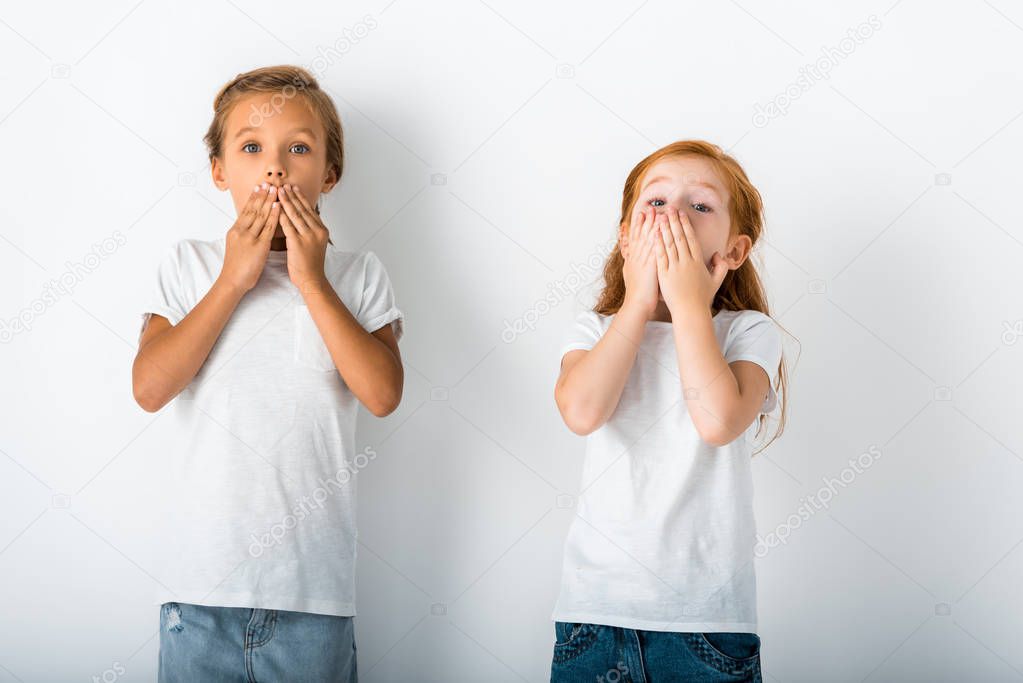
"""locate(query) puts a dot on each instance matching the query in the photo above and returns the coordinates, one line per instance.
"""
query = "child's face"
(692, 185)
(269, 139)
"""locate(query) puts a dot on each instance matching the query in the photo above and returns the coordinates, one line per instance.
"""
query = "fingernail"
(255, 188)
(272, 189)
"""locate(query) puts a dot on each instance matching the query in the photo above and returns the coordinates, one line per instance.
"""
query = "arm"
(723, 398)
(169, 356)
(370, 364)
(591, 382)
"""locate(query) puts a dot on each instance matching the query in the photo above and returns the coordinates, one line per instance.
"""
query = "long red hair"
(742, 288)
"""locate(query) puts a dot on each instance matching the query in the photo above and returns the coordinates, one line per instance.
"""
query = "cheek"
(240, 197)
(711, 233)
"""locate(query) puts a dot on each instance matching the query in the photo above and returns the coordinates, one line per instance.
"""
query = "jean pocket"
(728, 653)
(572, 640)
(309, 349)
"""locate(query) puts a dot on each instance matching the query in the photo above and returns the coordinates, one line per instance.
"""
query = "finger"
(264, 209)
(633, 234)
(636, 224)
(303, 202)
(690, 235)
(660, 254)
(248, 213)
(719, 269)
(647, 226)
(633, 237)
(292, 211)
(290, 232)
(677, 235)
(666, 239)
(296, 202)
(645, 244)
(312, 218)
(270, 224)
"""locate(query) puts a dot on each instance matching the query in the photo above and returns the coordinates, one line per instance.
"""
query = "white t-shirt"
(664, 533)
(263, 475)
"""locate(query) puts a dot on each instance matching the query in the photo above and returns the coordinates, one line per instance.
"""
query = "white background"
(487, 144)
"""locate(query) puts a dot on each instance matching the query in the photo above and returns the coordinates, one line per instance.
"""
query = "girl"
(271, 336)
(667, 376)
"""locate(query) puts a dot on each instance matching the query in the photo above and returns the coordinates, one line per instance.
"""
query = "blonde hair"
(742, 288)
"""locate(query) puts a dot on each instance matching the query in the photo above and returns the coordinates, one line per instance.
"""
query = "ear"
(739, 248)
(217, 174)
(623, 240)
(329, 181)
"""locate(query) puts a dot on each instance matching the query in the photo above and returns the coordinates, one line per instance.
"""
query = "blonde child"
(270, 336)
(669, 378)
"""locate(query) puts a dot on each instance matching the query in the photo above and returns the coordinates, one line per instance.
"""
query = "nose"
(275, 171)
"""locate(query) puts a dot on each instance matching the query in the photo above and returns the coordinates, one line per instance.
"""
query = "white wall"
(895, 284)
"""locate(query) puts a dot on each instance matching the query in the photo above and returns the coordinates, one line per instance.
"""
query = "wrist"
(631, 305)
(688, 310)
(230, 287)
(634, 314)
(314, 286)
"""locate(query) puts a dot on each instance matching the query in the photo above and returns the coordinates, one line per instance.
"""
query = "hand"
(248, 240)
(306, 237)
(640, 269)
(686, 281)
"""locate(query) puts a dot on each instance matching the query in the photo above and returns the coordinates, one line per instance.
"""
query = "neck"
(661, 313)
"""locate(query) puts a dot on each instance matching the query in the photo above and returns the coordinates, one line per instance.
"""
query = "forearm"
(367, 365)
(169, 362)
(588, 394)
(709, 387)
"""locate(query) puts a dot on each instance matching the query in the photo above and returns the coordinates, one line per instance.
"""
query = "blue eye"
(702, 208)
(249, 144)
(299, 144)
(656, 199)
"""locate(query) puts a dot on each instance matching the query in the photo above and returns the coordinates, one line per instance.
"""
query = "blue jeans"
(593, 653)
(243, 645)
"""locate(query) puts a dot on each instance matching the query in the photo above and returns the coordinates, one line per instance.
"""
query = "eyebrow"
(249, 129)
(664, 177)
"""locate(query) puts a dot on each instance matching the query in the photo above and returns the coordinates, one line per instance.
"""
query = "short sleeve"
(166, 296)
(378, 307)
(755, 337)
(586, 331)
